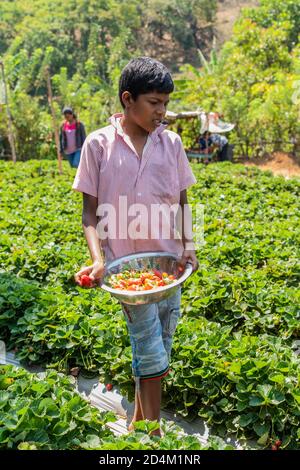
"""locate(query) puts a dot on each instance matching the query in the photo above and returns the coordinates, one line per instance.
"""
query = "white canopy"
(209, 121)
(212, 123)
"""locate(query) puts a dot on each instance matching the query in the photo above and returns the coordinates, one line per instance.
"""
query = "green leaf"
(261, 428)
(4, 396)
(245, 420)
(46, 407)
(27, 446)
(264, 390)
(278, 378)
(92, 440)
(62, 427)
(276, 397)
(256, 401)
(263, 439)
(146, 426)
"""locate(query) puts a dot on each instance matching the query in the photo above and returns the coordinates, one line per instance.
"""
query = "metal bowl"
(162, 261)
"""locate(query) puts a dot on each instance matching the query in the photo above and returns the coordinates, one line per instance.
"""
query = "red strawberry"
(278, 443)
(85, 281)
(109, 387)
(274, 447)
(157, 273)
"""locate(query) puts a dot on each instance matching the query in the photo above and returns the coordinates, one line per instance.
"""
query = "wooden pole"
(55, 128)
(206, 138)
(9, 116)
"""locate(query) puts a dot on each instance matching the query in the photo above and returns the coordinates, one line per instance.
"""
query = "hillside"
(227, 13)
(173, 54)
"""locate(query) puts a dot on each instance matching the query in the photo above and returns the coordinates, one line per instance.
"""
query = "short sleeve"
(87, 176)
(185, 174)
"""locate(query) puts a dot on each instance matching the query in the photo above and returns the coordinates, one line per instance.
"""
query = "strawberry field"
(234, 361)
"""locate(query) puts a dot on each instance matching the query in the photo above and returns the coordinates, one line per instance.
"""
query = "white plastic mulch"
(96, 393)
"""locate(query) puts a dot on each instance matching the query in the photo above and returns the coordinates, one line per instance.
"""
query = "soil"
(279, 163)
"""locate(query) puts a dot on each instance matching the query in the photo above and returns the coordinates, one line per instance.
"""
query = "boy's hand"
(95, 273)
(189, 256)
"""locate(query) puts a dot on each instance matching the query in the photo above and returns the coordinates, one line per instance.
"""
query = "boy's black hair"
(143, 75)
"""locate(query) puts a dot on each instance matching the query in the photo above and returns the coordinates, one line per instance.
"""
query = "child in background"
(71, 137)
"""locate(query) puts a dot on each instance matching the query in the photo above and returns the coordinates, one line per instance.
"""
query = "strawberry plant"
(233, 361)
(45, 412)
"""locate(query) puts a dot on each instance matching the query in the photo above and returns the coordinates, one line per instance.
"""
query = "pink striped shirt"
(110, 167)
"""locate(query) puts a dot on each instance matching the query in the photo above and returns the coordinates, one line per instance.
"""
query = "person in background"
(220, 142)
(71, 137)
(179, 130)
(206, 145)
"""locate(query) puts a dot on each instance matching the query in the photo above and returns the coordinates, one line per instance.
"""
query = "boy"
(137, 158)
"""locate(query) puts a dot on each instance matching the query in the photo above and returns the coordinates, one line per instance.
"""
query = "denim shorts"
(74, 158)
(151, 328)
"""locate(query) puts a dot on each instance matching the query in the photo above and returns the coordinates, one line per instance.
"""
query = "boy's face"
(148, 110)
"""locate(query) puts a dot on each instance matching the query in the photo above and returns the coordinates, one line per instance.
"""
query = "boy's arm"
(189, 254)
(89, 224)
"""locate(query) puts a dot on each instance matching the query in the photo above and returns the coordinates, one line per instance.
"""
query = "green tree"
(278, 12)
(252, 83)
(189, 22)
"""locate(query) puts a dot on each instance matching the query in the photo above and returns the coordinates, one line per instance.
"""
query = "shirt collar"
(115, 121)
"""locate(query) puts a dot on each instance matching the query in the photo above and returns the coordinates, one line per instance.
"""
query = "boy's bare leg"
(150, 400)
(137, 415)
